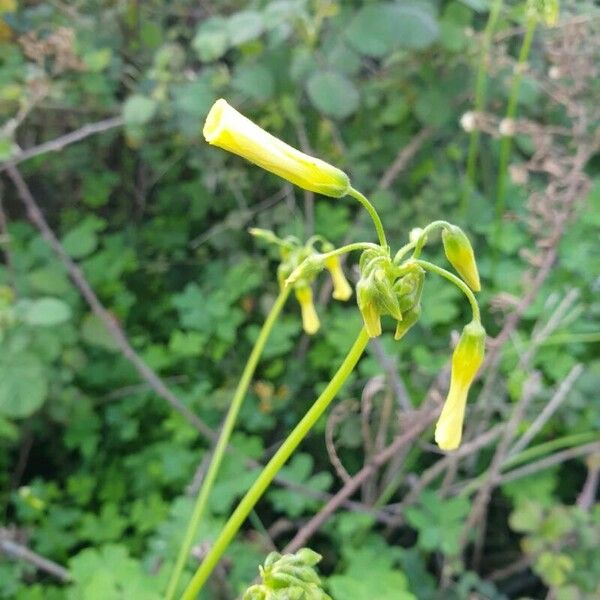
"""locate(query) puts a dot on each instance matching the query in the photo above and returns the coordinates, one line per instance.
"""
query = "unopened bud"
(507, 127)
(341, 287)
(409, 318)
(367, 304)
(307, 269)
(466, 360)
(227, 128)
(460, 255)
(310, 319)
(467, 121)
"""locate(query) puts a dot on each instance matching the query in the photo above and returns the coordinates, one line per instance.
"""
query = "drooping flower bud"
(409, 290)
(460, 255)
(409, 318)
(310, 319)
(227, 128)
(307, 269)
(466, 360)
(366, 297)
(341, 287)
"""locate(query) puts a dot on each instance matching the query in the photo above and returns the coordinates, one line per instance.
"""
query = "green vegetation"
(132, 295)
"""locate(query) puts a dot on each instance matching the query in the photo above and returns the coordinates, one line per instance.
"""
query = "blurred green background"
(98, 472)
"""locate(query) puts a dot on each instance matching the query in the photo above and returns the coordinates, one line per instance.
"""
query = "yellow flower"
(341, 287)
(310, 319)
(466, 360)
(460, 255)
(227, 128)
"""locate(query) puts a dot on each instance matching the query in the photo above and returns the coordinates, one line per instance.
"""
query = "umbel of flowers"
(388, 286)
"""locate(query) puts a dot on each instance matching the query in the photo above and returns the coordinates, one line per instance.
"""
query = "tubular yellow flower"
(310, 319)
(227, 128)
(460, 255)
(341, 287)
(466, 360)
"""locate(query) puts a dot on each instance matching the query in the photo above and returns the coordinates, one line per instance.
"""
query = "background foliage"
(96, 470)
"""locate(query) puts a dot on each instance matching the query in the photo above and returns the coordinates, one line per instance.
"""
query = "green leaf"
(245, 26)
(138, 110)
(379, 28)
(372, 31)
(23, 384)
(82, 239)
(416, 25)
(333, 94)
(109, 573)
(255, 81)
(97, 60)
(212, 39)
(94, 332)
(45, 312)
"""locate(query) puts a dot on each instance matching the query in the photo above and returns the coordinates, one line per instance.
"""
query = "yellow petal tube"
(341, 287)
(460, 255)
(227, 128)
(466, 360)
(310, 319)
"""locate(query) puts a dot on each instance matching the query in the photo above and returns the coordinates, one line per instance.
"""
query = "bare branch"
(111, 324)
(423, 421)
(20, 552)
(64, 140)
(549, 409)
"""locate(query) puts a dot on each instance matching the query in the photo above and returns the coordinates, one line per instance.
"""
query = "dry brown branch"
(422, 420)
(17, 551)
(61, 142)
(549, 461)
(549, 409)
(146, 373)
(480, 503)
(405, 155)
(438, 468)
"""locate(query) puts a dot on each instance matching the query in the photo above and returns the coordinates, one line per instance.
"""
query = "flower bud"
(341, 287)
(460, 255)
(409, 318)
(367, 304)
(307, 269)
(310, 319)
(227, 128)
(466, 360)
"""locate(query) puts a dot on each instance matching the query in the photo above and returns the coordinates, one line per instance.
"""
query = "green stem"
(459, 283)
(350, 248)
(480, 101)
(223, 441)
(423, 237)
(373, 213)
(506, 141)
(258, 488)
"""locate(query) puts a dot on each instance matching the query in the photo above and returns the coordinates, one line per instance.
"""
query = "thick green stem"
(373, 213)
(273, 466)
(459, 283)
(506, 141)
(480, 101)
(223, 441)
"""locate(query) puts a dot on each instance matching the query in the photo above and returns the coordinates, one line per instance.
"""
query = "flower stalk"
(254, 494)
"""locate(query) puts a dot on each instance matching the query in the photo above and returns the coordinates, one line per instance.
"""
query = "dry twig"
(146, 373)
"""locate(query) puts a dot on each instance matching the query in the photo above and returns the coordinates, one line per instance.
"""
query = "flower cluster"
(292, 255)
(289, 576)
(388, 286)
